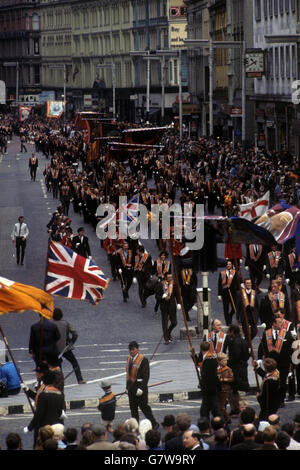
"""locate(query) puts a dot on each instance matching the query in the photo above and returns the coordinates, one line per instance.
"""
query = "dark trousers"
(227, 305)
(209, 405)
(33, 172)
(20, 248)
(252, 328)
(72, 359)
(168, 321)
(23, 147)
(283, 382)
(136, 403)
(55, 188)
(113, 265)
(126, 281)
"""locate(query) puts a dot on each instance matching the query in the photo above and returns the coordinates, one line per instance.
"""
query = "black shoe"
(290, 399)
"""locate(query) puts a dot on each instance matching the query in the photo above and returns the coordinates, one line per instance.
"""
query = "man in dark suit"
(125, 263)
(142, 271)
(248, 432)
(238, 353)
(274, 263)
(248, 304)
(33, 165)
(188, 286)
(292, 274)
(209, 382)
(183, 423)
(277, 343)
(168, 298)
(43, 339)
(269, 395)
(49, 408)
(271, 302)
(227, 289)
(80, 244)
(137, 377)
(218, 340)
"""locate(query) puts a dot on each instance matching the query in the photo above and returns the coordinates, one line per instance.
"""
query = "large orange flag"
(16, 297)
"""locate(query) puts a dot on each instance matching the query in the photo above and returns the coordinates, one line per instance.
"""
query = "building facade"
(20, 50)
(276, 26)
(220, 20)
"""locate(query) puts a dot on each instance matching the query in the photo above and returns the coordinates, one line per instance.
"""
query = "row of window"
(270, 8)
(281, 62)
(19, 48)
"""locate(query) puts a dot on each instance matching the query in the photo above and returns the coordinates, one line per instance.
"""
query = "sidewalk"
(182, 387)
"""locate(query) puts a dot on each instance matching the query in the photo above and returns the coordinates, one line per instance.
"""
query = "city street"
(104, 331)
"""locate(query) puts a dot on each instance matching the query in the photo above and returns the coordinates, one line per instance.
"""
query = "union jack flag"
(73, 276)
(127, 212)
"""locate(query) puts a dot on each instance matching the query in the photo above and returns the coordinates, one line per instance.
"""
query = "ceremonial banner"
(256, 208)
(55, 109)
(283, 222)
(73, 276)
(16, 297)
(24, 112)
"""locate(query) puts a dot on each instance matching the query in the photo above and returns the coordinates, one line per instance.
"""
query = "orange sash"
(135, 367)
(219, 345)
(254, 256)
(168, 289)
(208, 355)
(274, 301)
(227, 282)
(246, 300)
(123, 257)
(279, 341)
(186, 276)
(274, 261)
(140, 263)
(291, 260)
(161, 272)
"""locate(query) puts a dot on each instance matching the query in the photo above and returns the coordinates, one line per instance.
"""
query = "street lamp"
(14, 64)
(111, 66)
(205, 43)
(162, 55)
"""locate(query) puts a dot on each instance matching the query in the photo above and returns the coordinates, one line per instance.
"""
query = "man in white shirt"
(19, 235)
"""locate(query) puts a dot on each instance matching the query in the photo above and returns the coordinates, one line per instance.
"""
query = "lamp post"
(111, 66)
(206, 43)
(162, 55)
(14, 64)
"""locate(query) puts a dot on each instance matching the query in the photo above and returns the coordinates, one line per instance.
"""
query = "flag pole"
(239, 276)
(183, 313)
(41, 316)
(14, 362)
